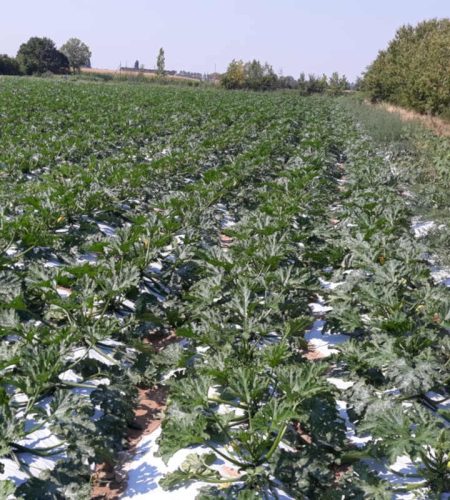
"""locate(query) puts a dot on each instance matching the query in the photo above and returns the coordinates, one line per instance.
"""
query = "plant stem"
(229, 459)
(276, 442)
(411, 486)
(41, 452)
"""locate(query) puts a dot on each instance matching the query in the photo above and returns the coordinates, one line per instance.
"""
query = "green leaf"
(195, 467)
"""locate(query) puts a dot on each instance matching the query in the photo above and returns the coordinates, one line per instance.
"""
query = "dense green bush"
(414, 70)
(257, 76)
(8, 65)
(337, 84)
(313, 85)
(39, 55)
(251, 75)
(78, 54)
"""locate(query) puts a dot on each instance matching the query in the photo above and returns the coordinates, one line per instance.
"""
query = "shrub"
(8, 65)
(251, 75)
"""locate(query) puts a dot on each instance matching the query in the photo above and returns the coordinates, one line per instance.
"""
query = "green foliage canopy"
(78, 53)
(252, 75)
(337, 84)
(414, 70)
(8, 65)
(234, 78)
(40, 55)
(161, 63)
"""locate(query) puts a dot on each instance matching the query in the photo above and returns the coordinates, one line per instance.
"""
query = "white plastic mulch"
(146, 469)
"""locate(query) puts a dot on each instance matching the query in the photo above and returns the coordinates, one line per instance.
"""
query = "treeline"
(414, 70)
(254, 75)
(39, 56)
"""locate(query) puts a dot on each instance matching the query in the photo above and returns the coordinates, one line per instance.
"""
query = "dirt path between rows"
(110, 481)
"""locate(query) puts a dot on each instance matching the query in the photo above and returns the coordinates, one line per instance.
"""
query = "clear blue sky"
(313, 36)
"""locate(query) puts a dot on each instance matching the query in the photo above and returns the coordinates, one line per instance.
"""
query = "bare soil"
(314, 354)
(110, 481)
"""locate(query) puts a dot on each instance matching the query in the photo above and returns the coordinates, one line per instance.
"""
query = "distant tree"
(136, 64)
(78, 53)
(8, 65)
(254, 74)
(337, 84)
(161, 63)
(259, 77)
(251, 75)
(357, 84)
(270, 78)
(345, 84)
(334, 81)
(316, 84)
(234, 78)
(40, 55)
(302, 84)
(287, 82)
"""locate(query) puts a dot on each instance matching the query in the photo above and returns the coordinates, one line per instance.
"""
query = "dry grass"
(100, 71)
(437, 125)
(116, 72)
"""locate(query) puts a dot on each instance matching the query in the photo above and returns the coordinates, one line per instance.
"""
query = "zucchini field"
(257, 257)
